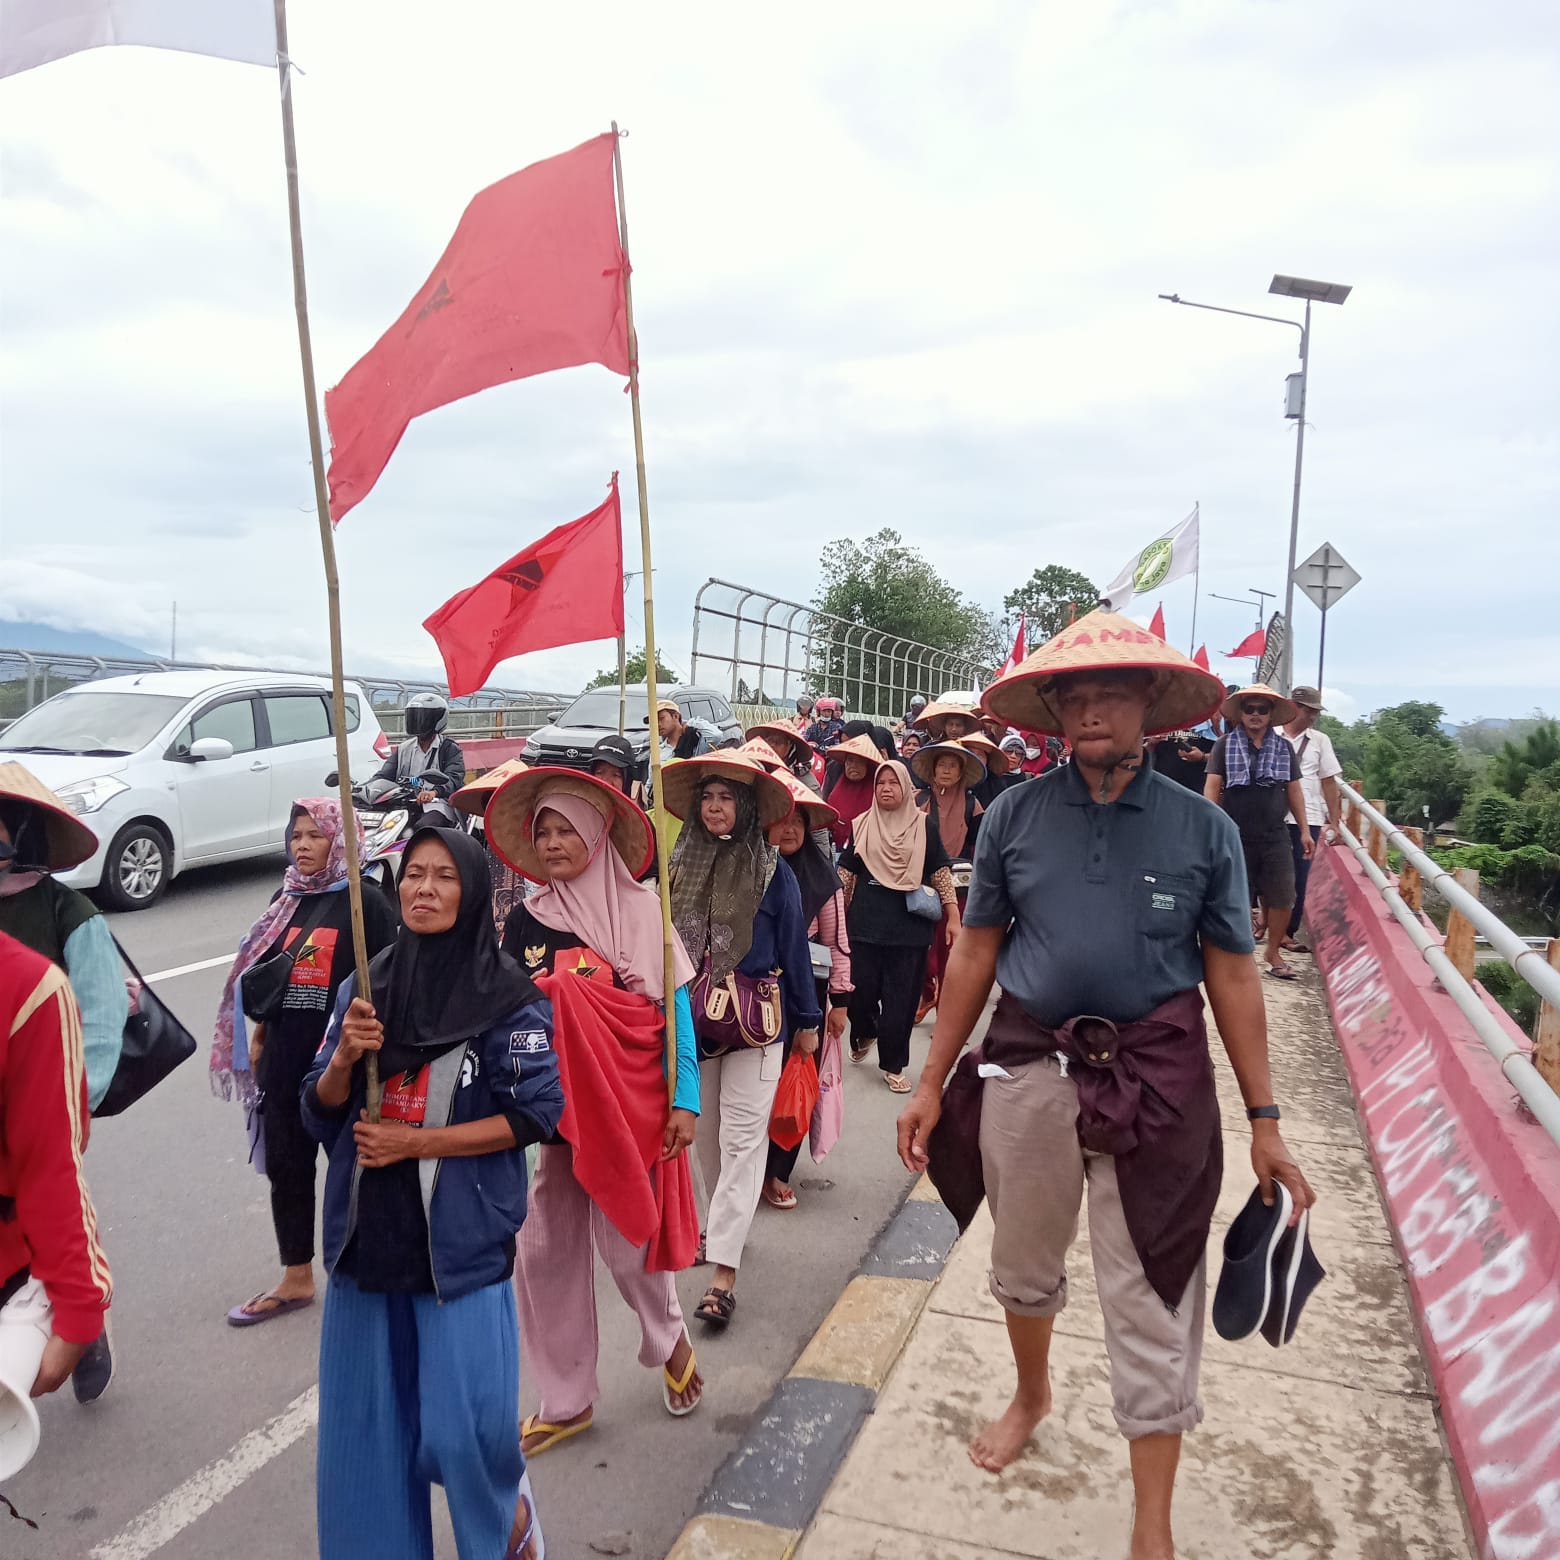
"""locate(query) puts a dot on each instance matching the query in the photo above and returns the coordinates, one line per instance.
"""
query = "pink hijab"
(619, 918)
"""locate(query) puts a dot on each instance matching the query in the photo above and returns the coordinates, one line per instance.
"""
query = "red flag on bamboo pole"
(562, 590)
(532, 281)
(1255, 643)
(1201, 658)
(1157, 627)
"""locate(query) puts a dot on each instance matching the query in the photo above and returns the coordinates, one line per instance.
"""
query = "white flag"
(33, 32)
(1168, 558)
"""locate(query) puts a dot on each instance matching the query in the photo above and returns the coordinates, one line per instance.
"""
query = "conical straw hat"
(511, 815)
(1183, 693)
(816, 813)
(473, 799)
(1284, 710)
(857, 747)
(924, 763)
(934, 718)
(681, 777)
(763, 755)
(70, 841)
(996, 761)
(800, 747)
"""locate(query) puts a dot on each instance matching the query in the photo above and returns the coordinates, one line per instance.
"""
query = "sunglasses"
(1256, 709)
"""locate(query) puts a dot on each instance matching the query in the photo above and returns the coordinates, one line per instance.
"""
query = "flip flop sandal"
(860, 1053)
(518, 1550)
(552, 1434)
(243, 1316)
(1290, 945)
(897, 1083)
(1282, 972)
(716, 1307)
(785, 1203)
(670, 1386)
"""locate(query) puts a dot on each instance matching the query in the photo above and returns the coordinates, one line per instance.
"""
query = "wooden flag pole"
(663, 882)
(327, 544)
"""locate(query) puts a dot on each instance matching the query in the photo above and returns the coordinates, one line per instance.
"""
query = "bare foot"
(1003, 1439)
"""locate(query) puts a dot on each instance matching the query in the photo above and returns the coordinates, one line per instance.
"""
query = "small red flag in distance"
(1201, 658)
(563, 590)
(1019, 650)
(532, 281)
(1255, 643)
(1157, 627)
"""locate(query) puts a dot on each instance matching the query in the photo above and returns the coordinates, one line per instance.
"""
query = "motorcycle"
(389, 811)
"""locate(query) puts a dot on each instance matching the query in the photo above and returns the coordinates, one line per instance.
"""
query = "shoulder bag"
(742, 1012)
(922, 902)
(264, 984)
(154, 1043)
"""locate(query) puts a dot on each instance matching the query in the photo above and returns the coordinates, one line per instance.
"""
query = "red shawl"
(610, 1045)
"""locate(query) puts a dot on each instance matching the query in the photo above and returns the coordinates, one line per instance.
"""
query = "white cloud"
(894, 265)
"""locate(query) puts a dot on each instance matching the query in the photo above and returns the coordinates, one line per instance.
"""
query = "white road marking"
(196, 1496)
(189, 969)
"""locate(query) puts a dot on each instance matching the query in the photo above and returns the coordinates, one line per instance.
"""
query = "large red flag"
(1201, 658)
(562, 590)
(1157, 627)
(1255, 643)
(531, 281)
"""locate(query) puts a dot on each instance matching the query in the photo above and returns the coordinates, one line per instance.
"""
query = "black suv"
(569, 740)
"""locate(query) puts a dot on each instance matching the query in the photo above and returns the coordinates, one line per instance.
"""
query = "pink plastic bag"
(829, 1113)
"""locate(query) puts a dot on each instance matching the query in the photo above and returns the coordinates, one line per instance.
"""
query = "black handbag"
(154, 1043)
(263, 985)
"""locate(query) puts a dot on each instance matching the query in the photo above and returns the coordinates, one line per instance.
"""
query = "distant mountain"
(63, 641)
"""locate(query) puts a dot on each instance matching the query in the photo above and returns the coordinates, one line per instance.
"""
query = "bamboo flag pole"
(1191, 649)
(327, 542)
(659, 813)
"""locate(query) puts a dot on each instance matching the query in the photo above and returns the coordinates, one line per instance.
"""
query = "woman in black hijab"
(419, 1347)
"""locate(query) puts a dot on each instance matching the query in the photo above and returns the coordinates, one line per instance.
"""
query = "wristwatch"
(1262, 1113)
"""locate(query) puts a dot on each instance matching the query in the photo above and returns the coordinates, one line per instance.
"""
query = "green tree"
(1518, 762)
(1051, 598)
(635, 668)
(1348, 742)
(886, 585)
(1412, 764)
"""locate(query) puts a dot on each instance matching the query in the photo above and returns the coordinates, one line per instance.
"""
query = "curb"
(765, 1495)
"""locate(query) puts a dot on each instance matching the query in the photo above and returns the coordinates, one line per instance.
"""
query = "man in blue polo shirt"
(1103, 895)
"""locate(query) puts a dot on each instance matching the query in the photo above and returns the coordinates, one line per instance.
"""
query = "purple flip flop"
(239, 1317)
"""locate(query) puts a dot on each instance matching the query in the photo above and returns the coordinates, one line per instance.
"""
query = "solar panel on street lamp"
(1315, 292)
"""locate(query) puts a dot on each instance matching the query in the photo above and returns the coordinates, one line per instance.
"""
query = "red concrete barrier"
(1472, 1188)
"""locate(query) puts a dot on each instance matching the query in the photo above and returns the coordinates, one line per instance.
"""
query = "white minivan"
(180, 769)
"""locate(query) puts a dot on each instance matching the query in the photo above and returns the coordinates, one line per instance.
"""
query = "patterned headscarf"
(230, 1070)
(719, 882)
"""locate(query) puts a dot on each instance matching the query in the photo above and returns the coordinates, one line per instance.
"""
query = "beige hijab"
(893, 844)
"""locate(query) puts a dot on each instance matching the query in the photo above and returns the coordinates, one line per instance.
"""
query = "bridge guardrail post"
(1546, 1037)
(1351, 818)
(1459, 929)
(1378, 838)
(1410, 884)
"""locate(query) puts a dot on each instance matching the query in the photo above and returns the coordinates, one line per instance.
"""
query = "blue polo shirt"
(1107, 907)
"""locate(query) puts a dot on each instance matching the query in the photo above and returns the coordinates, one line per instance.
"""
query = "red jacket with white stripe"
(46, 1218)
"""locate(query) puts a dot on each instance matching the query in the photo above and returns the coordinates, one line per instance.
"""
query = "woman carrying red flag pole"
(619, 1182)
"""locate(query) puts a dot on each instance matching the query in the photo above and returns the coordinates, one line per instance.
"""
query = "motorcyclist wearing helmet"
(427, 756)
(829, 726)
(804, 712)
(913, 714)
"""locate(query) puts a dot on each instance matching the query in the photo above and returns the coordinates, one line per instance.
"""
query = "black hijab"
(434, 990)
(814, 871)
(883, 741)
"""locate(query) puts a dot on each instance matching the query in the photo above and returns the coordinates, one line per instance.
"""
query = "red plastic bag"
(796, 1096)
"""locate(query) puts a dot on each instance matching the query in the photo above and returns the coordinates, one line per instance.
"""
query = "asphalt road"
(204, 1444)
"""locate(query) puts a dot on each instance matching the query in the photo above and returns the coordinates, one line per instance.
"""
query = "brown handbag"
(741, 1013)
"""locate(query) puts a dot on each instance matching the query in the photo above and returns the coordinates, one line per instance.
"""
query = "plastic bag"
(795, 1096)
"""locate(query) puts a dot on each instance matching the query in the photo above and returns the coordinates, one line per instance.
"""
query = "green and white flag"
(1174, 554)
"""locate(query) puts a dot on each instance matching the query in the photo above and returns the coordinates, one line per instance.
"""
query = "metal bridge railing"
(1516, 1063)
(28, 677)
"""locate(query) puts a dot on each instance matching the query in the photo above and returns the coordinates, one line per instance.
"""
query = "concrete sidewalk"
(1329, 1447)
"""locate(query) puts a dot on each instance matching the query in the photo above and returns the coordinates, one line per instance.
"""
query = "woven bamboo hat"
(1284, 710)
(682, 777)
(70, 841)
(934, 718)
(858, 747)
(924, 764)
(816, 813)
(797, 748)
(473, 799)
(996, 761)
(511, 818)
(1183, 693)
(764, 756)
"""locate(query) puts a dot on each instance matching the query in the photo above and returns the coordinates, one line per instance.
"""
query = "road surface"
(204, 1444)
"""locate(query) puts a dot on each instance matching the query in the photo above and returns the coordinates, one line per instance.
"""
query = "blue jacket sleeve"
(97, 977)
(798, 990)
(522, 1070)
(687, 1094)
(320, 1122)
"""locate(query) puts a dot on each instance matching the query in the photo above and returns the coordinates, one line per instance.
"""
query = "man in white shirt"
(1319, 771)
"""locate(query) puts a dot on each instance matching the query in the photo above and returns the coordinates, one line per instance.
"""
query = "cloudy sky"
(894, 265)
